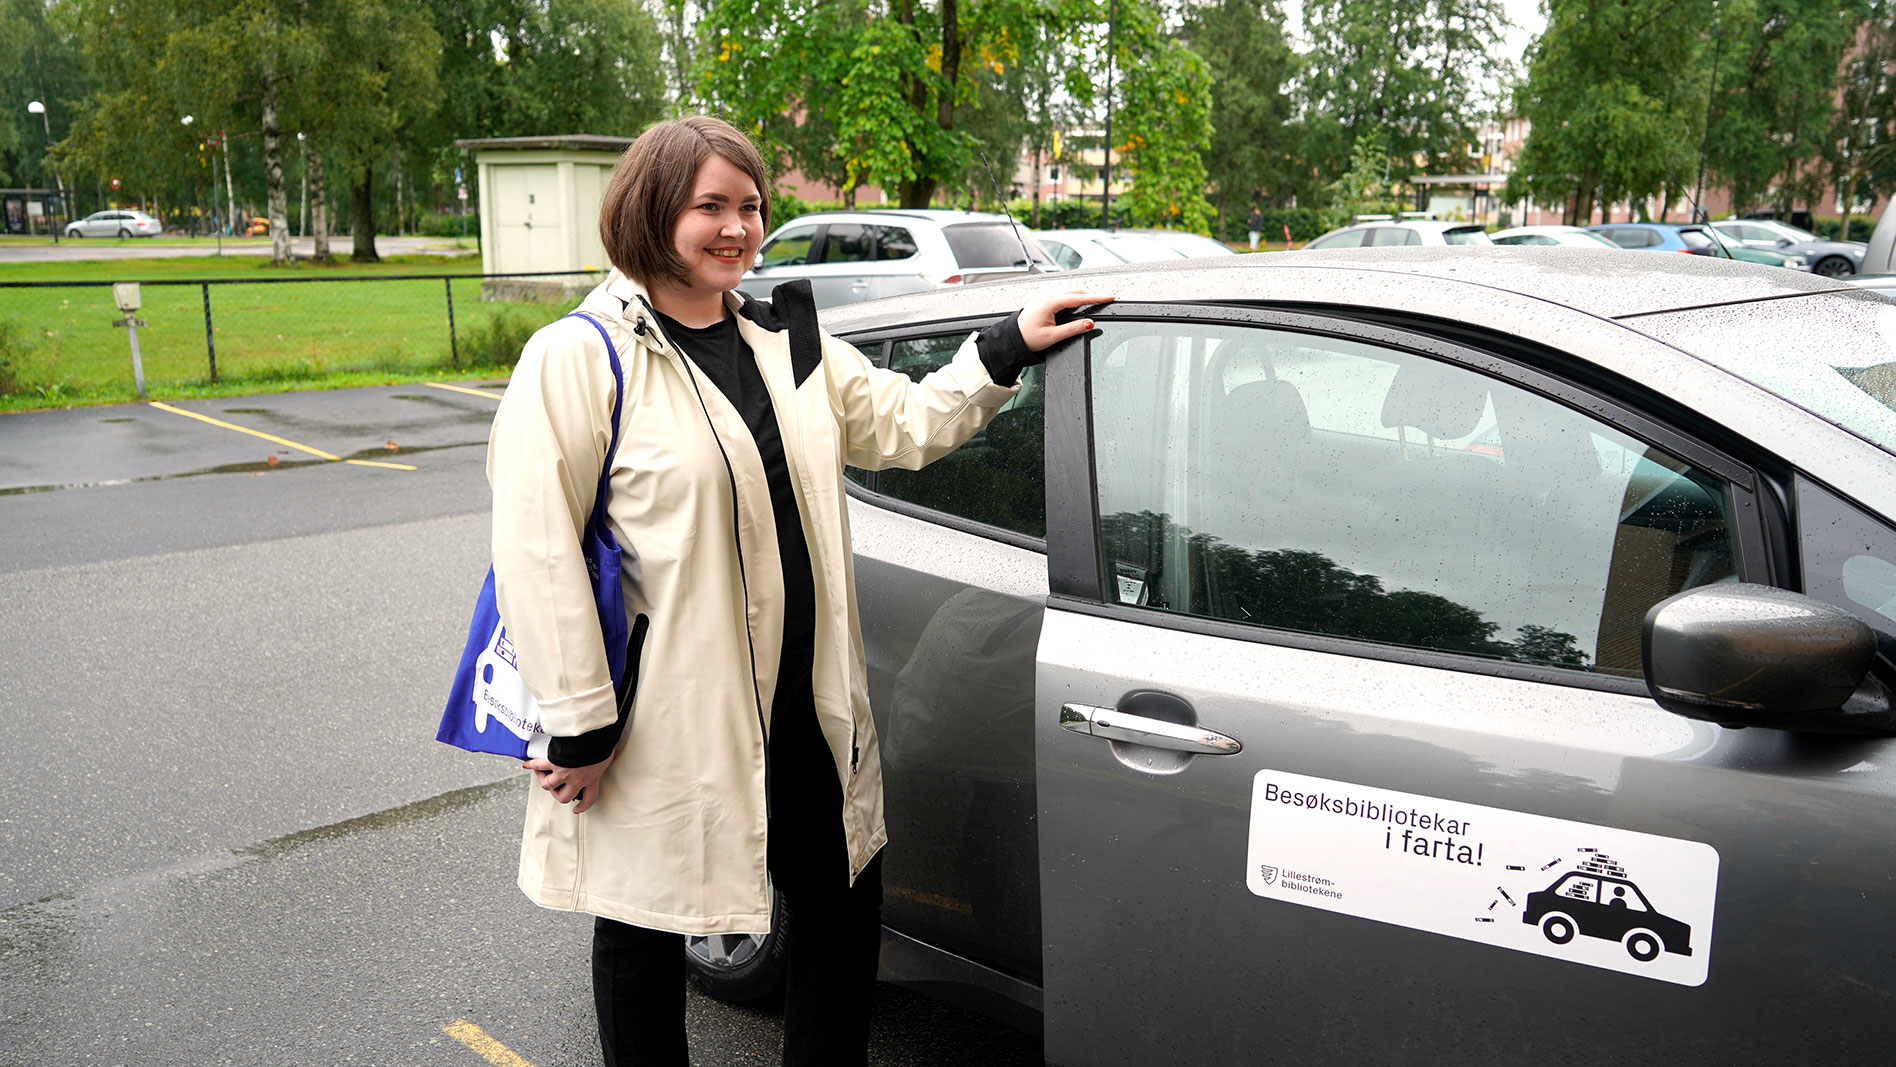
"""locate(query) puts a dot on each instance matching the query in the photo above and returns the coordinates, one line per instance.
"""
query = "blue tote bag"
(489, 708)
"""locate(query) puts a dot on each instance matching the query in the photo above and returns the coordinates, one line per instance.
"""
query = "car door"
(1338, 683)
(951, 567)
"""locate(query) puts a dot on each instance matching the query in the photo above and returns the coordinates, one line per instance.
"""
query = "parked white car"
(864, 255)
(1073, 249)
(118, 223)
(1389, 232)
(1548, 236)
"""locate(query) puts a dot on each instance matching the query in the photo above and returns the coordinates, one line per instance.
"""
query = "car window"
(998, 476)
(1695, 238)
(1385, 236)
(790, 249)
(1332, 487)
(849, 242)
(1849, 559)
(1467, 235)
(990, 244)
(1065, 256)
(1341, 239)
(1131, 248)
(894, 242)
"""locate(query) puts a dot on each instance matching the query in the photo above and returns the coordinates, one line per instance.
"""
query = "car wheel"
(1833, 267)
(1642, 945)
(743, 968)
(75, 233)
(1558, 928)
(124, 234)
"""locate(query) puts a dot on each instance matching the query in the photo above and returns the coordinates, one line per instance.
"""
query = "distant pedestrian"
(1255, 223)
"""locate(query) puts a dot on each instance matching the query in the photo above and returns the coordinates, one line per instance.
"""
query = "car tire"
(124, 234)
(1643, 945)
(743, 968)
(75, 233)
(1833, 267)
(1558, 928)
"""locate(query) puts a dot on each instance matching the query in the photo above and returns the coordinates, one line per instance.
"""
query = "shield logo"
(1269, 873)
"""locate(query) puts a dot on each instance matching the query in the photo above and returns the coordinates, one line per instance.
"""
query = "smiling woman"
(729, 773)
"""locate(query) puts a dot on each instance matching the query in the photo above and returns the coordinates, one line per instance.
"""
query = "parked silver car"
(1399, 656)
(1829, 258)
(120, 223)
(864, 255)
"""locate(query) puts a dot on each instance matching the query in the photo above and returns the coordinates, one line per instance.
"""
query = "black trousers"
(639, 974)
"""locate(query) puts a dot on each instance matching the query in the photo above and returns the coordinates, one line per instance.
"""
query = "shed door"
(526, 219)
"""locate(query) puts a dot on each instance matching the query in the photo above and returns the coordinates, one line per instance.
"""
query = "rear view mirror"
(1751, 655)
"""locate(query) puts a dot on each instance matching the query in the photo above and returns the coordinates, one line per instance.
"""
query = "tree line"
(1215, 105)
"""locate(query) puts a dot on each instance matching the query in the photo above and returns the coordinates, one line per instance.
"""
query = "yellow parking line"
(489, 1049)
(463, 389)
(279, 440)
(243, 429)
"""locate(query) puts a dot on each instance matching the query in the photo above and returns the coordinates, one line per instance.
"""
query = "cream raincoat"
(676, 840)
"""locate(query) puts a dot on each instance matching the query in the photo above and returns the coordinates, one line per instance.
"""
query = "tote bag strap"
(618, 390)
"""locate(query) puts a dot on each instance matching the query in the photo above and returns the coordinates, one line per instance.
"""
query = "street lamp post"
(34, 107)
(187, 121)
(1106, 202)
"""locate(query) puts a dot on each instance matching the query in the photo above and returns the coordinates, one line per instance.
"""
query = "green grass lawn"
(59, 347)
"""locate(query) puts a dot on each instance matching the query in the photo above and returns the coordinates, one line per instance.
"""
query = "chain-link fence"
(71, 335)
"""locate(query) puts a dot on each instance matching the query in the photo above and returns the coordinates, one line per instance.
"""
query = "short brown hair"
(652, 186)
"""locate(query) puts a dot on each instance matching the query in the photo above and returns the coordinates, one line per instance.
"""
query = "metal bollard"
(125, 295)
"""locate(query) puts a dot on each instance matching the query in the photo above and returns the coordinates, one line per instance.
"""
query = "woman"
(739, 750)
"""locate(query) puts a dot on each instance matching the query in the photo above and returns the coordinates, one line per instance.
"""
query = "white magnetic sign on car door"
(1596, 895)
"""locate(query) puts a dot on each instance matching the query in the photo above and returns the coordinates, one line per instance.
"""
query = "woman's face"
(717, 235)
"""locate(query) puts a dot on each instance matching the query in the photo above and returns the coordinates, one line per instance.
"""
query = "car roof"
(1598, 282)
(1538, 229)
(939, 216)
(1423, 225)
(1643, 225)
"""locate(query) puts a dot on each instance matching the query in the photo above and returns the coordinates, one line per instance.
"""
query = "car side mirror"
(1784, 242)
(1751, 655)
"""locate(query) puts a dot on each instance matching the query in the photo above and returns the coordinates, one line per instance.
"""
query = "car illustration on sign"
(1596, 900)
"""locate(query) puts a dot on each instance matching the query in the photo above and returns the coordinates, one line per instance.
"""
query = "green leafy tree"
(1616, 102)
(860, 92)
(1863, 160)
(1164, 118)
(1254, 156)
(1773, 108)
(1412, 69)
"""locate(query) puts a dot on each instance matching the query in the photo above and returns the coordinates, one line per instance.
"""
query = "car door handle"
(1115, 725)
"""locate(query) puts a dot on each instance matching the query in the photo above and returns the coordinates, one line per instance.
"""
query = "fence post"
(210, 346)
(454, 346)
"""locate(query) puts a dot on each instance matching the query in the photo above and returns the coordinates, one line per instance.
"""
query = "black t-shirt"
(720, 352)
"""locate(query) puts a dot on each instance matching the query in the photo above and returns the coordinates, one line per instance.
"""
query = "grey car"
(850, 256)
(1295, 666)
(1829, 258)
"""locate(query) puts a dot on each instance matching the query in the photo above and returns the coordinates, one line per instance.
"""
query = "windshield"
(1584, 237)
(1467, 235)
(1135, 249)
(1792, 232)
(991, 244)
(1834, 355)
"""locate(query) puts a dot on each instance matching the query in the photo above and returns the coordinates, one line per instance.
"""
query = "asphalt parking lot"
(230, 837)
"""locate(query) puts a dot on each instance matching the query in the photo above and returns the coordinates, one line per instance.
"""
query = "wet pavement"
(229, 837)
